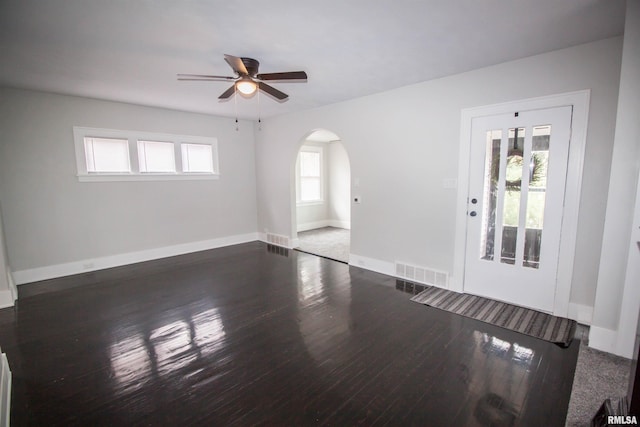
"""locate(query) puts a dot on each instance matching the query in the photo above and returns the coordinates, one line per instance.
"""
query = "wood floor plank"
(256, 335)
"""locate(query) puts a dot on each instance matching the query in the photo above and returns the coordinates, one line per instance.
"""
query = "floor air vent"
(424, 275)
(278, 240)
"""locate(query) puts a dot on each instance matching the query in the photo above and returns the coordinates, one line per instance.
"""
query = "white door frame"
(580, 102)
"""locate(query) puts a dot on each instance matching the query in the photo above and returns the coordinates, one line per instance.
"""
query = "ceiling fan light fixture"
(247, 80)
(246, 86)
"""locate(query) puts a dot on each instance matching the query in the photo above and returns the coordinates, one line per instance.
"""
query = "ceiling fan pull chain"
(235, 100)
(259, 120)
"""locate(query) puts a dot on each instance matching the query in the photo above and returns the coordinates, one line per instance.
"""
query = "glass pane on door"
(538, 167)
(490, 194)
(512, 185)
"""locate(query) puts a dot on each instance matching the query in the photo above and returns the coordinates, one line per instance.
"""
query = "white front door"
(517, 175)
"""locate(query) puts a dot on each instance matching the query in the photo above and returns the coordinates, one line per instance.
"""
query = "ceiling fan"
(247, 79)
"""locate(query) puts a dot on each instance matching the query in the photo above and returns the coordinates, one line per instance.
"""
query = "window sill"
(314, 203)
(146, 177)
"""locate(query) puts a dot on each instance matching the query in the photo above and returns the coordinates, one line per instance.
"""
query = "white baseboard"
(60, 270)
(12, 286)
(5, 390)
(324, 223)
(372, 264)
(340, 224)
(6, 299)
(312, 225)
(603, 339)
(580, 313)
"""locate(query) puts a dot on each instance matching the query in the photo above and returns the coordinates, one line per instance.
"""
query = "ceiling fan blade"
(204, 77)
(199, 80)
(281, 96)
(227, 93)
(237, 64)
(290, 75)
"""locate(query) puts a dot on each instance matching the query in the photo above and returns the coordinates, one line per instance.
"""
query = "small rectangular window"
(126, 155)
(310, 164)
(197, 158)
(156, 157)
(107, 155)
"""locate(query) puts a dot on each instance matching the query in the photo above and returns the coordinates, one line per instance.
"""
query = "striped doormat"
(526, 321)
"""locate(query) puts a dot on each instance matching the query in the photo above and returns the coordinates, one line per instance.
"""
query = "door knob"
(473, 213)
(474, 201)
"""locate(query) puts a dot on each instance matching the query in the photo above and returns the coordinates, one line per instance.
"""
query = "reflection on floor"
(250, 335)
(328, 242)
(598, 375)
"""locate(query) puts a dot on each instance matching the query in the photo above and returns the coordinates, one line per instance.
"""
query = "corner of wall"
(9, 296)
(603, 339)
(12, 286)
(580, 313)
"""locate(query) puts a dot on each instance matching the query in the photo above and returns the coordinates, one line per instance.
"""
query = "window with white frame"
(108, 155)
(309, 167)
(156, 157)
(121, 155)
(197, 158)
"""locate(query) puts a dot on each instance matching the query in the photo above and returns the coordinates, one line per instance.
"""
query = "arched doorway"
(321, 196)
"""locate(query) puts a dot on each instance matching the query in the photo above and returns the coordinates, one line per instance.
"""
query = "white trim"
(580, 102)
(580, 313)
(60, 270)
(79, 133)
(318, 149)
(324, 223)
(630, 303)
(340, 224)
(602, 339)
(146, 177)
(5, 394)
(313, 225)
(294, 242)
(6, 299)
(12, 286)
(313, 203)
(263, 237)
(372, 264)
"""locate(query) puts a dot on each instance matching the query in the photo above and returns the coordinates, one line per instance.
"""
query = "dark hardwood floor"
(257, 335)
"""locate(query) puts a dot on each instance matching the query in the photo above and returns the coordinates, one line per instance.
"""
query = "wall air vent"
(425, 275)
(278, 240)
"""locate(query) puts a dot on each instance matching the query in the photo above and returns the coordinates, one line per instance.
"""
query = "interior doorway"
(322, 197)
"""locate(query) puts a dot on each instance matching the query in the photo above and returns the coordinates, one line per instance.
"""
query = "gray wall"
(403, 143)
(339, 185)
(51, 218)
(618, 295)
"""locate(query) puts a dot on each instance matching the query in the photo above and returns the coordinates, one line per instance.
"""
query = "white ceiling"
(131, 50)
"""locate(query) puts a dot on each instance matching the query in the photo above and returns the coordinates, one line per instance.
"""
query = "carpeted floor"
(329, 242)
(598, 376)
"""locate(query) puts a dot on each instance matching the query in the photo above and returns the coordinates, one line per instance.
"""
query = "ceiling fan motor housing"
(251, 65)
